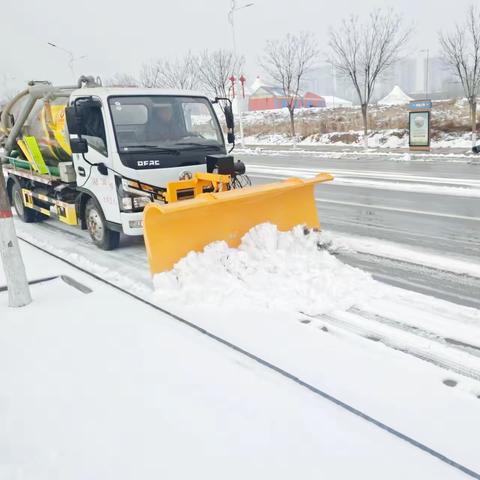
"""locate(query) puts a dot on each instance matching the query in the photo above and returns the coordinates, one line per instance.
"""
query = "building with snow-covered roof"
(333, 102)
(257, 84)
(267, 97)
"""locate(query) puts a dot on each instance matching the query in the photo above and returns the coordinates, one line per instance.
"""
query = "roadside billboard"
(419, 124)
(419, 127)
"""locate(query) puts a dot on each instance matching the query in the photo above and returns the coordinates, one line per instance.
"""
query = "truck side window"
(198, 120)
(95, 130)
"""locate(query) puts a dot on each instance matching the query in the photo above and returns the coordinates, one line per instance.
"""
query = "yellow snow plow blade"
(174, 229)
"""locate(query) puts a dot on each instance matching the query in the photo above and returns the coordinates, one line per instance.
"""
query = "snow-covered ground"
(387, 139)
(100, 386)
(97, 385)
(137, 376)
(342, 126)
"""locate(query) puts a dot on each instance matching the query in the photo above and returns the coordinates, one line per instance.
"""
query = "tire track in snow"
(449, 354)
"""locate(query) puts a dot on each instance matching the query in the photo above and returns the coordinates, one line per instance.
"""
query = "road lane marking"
(281, 170)
(424, 188)
(401, 210)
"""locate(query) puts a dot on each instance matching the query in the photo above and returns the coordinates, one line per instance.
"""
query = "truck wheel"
(101, 235)
(26, 214)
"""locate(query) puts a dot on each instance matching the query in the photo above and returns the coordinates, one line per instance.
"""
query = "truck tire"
(97, 227)
(24, 213)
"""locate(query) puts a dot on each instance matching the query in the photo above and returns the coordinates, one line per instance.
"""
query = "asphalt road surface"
(429, 203)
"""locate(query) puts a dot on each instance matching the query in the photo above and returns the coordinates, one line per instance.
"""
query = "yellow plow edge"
(174, 229)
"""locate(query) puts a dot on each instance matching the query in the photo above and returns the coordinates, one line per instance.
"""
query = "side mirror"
(75, 114)
(229, 118)
(78, 145)
(476, 149)
(74, 121)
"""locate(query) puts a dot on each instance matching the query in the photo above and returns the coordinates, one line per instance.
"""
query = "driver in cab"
(162, 125)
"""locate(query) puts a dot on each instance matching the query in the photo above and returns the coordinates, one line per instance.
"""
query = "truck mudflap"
(171, 231)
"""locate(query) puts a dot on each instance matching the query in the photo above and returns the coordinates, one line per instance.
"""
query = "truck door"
(89, 177)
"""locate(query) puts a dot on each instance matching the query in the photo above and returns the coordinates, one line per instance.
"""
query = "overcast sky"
(118, 36)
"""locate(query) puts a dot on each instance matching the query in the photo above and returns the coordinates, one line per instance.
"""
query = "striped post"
(17, 283)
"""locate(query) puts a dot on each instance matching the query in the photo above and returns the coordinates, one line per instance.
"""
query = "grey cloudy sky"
(119, 36)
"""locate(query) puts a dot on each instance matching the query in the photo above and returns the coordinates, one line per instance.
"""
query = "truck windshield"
(164, 122)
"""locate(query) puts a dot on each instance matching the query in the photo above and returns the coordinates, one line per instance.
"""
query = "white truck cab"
(147, 135)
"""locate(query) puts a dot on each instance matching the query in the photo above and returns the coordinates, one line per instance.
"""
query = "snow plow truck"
(139, 162)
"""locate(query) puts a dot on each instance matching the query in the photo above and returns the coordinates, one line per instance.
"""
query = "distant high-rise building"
(409, 74)
(326, 81)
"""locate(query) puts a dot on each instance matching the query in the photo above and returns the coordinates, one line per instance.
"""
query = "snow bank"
(388, 138)
(391, 138)
(288, 271)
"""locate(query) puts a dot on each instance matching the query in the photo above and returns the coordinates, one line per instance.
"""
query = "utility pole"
(334, 84)
(17, 283)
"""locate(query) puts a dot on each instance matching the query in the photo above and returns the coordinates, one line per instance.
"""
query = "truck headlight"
(127, 204)
(130, 202)
(140, 202)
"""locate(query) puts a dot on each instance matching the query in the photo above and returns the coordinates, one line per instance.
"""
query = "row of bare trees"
(361, 50)
(209, 71)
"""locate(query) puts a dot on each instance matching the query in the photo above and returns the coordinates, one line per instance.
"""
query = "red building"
(269, 98)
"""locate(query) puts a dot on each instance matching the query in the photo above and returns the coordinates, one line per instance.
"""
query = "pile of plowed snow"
(271, 269)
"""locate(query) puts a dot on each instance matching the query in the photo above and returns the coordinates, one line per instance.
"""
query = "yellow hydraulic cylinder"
(173, 230)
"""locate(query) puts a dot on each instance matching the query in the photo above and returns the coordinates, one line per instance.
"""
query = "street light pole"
(427, 68)
(231, 19)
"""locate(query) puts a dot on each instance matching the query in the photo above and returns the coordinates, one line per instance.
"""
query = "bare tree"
(461, 51)
(121, 80)
(287, 61)
(214, 70)
(180, 73)
(362, 52)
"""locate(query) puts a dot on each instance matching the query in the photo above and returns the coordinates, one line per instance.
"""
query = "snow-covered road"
(430, 206)
(407, 359)
(136, 394)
